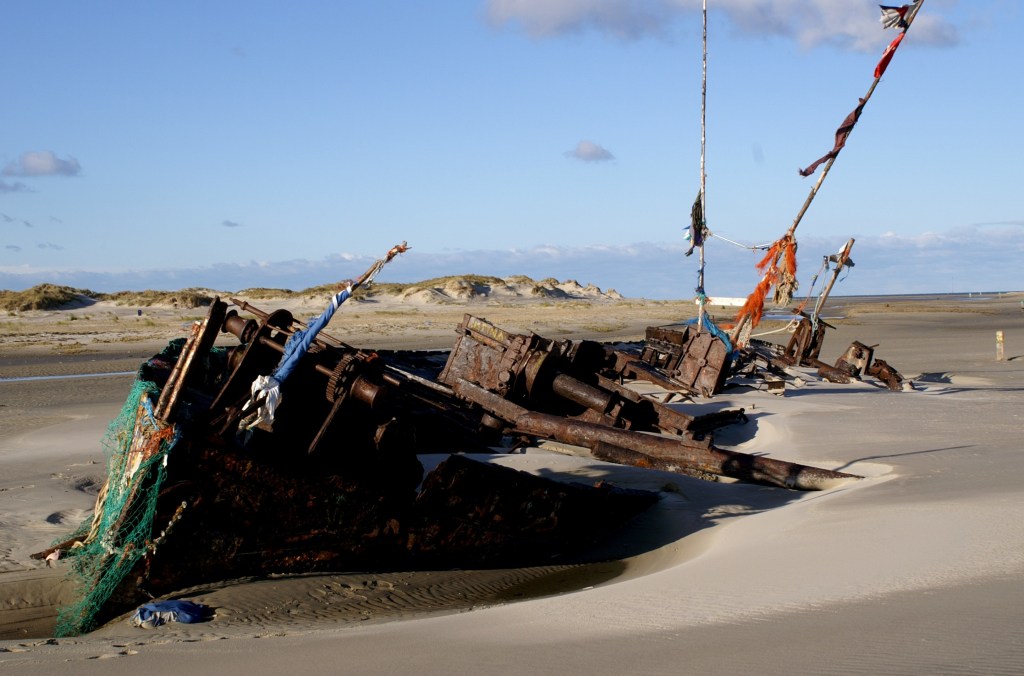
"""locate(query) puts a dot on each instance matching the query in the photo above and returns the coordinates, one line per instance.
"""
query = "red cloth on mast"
(887, 56)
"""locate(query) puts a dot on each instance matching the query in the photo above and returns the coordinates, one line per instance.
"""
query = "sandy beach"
(917, 568)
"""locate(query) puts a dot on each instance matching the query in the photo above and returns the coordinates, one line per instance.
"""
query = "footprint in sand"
(67, 517)
(378, 584)
(26, 647)
(88, 484)
(108, 656)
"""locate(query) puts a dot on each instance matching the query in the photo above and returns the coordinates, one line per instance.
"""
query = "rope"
(814, 280)
(790, 327)
(756, 247)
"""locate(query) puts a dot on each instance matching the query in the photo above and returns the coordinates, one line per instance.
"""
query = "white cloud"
(551, 252)
(970, 258)
(588, 151)
(851, 24)
(627, 19)
(13, 187)
(43, 163)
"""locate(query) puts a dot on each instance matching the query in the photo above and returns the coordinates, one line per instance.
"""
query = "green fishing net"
(120, 532)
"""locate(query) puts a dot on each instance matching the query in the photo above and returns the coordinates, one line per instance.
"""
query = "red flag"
(887, 56)
(841, 135)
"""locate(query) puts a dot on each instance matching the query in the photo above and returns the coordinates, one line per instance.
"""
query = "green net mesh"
(119, 532)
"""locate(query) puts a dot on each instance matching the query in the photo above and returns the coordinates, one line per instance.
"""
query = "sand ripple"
(299, 604)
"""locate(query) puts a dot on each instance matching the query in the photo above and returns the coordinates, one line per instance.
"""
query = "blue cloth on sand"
(154, 614)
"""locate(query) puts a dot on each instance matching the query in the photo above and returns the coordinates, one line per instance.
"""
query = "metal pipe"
(362, 389)
(841, 260)
(581, 393)
(649, 450)
(200, 340)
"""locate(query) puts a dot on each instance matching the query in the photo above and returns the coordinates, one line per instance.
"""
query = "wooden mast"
(743, 323)
(701, 297)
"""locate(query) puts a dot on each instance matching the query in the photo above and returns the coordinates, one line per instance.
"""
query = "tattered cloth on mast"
(892, 17)
(895, 17)
(899, 17)
(842, 133)
(888, 54)
(698, 228)
(778, 268)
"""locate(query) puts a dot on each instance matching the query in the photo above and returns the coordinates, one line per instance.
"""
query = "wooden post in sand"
(999, 346)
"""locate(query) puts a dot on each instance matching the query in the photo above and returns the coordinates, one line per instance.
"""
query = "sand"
(918, 568)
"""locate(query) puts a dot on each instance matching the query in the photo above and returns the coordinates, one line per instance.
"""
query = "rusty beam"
(200, 340)
(652, 448)
(659, 449)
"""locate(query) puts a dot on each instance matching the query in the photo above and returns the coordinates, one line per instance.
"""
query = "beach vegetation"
(72, 347)
(185, 298)
(43, 297)
(444, 289)
(604, 328)
(262, 293)
(404, 312)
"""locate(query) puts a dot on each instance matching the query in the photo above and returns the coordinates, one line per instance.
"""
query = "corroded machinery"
(201, 489)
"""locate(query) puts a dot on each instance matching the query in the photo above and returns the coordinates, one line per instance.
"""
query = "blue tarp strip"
(299, 342)
(715, 331)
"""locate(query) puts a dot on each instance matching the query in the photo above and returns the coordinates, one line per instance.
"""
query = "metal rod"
(652, 450)
(200, 340)
(655, 449)
(841, 259)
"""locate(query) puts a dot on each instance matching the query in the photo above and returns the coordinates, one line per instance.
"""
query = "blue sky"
(233, 145)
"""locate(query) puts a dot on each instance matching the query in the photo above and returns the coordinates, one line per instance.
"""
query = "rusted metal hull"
(335, 482)
(565, 378)
(236, 516)
(695, 360)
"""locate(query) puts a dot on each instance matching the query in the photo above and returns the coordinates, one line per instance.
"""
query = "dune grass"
(43, 297)
(53, 296)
